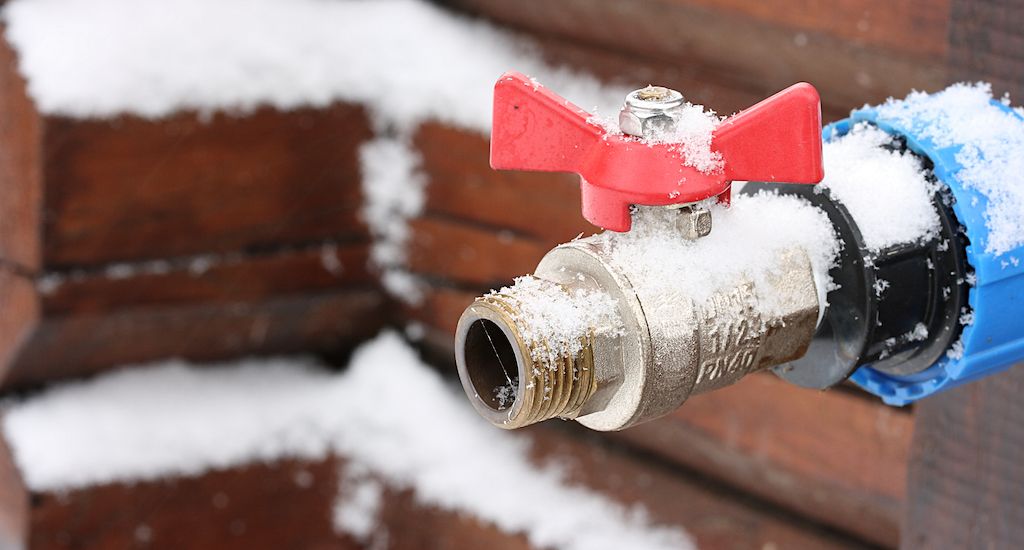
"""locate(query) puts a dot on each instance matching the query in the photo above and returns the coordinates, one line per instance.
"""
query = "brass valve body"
(666, 347)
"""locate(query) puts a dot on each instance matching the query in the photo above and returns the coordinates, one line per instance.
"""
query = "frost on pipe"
(619, 328)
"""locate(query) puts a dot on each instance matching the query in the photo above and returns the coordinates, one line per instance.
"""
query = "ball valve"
(624, 326)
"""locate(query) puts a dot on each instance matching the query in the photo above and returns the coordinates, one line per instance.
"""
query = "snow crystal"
(407, 60)
(990, 141)
(919, 334)
(691, 132)
(881, 285)
(886, 192)
(744, 244)
(966, 316)
(172, 419)
(956, 351)
(506, 393)
(554, 322)
(607, 122)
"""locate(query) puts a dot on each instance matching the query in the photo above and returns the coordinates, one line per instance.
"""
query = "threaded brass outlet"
(514, 383)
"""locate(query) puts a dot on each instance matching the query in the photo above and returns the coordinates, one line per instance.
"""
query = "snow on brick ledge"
(407, 60)
(172, 419)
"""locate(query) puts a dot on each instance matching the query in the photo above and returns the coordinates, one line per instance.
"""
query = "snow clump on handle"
(690, 133)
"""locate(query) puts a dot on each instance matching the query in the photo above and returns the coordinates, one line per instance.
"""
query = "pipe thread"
(547, 389)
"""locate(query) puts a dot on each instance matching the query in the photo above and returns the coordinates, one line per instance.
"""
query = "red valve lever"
(779, 139)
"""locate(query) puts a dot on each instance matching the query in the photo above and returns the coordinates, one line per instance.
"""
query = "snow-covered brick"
(173, 419)
(167, 420)
(358, 505)
(887, 192)
(990, 140)
(394, 191)
(407, 60)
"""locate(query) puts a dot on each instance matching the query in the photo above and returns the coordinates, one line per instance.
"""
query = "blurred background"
(212, 181)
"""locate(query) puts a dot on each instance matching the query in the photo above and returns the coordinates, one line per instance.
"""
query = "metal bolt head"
(649, 110)
(694, 222)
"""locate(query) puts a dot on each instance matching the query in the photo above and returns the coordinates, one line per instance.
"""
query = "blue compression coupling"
(994, 341)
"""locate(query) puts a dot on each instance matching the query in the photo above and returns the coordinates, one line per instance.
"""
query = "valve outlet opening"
(508, 382)
(491, 365)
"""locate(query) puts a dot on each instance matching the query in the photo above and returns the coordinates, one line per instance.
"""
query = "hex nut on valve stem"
(649, 110)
